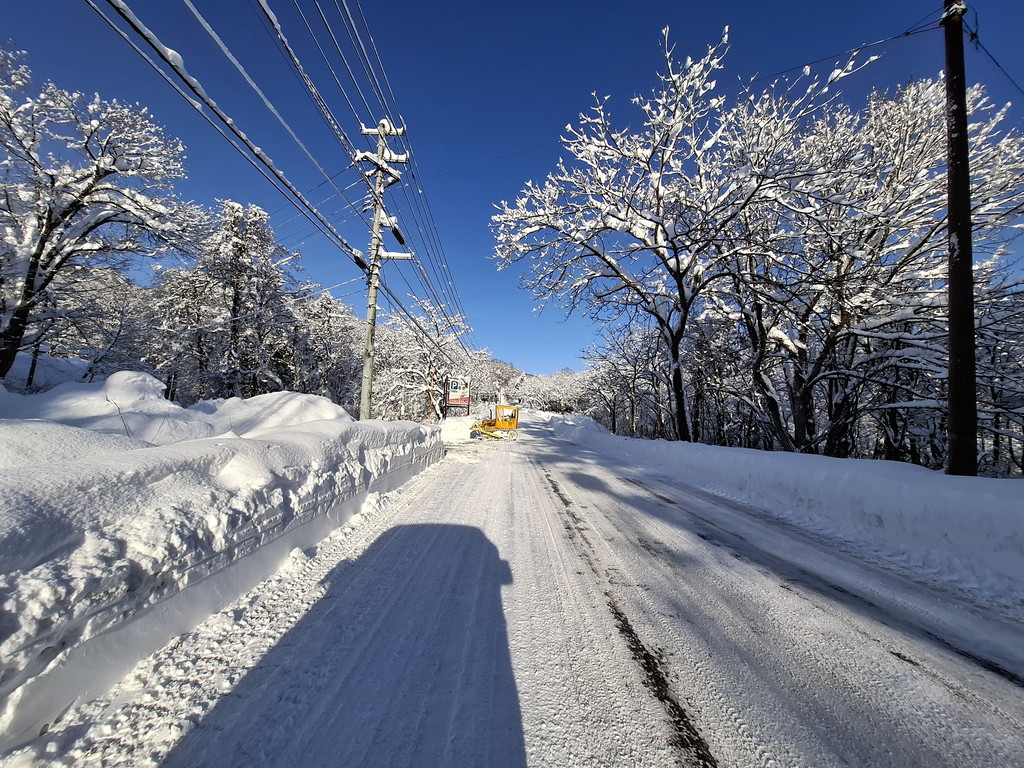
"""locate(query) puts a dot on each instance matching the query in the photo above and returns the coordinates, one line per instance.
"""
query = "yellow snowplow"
(501, 427)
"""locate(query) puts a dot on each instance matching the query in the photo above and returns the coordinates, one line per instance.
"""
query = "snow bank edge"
(87, 652)
(963, 531)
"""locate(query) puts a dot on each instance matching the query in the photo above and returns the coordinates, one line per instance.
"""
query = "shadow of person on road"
(404, 662)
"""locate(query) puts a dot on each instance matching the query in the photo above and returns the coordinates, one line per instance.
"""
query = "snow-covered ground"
(966, 533)
(127, 521)
(120, 510)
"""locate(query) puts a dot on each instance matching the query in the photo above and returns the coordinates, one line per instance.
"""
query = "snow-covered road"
(784, 650)
(533, 603)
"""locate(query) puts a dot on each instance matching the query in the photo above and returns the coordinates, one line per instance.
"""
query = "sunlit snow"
(113, 501)
(126, 520)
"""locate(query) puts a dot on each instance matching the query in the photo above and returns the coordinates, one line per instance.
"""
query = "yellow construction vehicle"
(501, 427)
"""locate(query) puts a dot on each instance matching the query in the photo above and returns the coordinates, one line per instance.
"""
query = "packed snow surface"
(572, 598)
(113, 501)
(965, 532)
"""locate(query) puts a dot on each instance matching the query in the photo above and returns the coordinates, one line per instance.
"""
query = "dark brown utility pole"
(962, 407)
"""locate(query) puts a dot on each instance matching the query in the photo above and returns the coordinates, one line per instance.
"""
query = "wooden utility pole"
(383, 176)
(962, 406)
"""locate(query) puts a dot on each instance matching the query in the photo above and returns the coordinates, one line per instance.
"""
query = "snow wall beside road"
(967, 531)
(110, 545)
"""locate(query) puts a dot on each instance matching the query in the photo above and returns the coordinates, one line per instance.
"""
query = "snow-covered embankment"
(125, 520)
(965, 533)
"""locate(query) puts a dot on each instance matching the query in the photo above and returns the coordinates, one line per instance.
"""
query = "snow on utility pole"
(384, 175)
(962, 407)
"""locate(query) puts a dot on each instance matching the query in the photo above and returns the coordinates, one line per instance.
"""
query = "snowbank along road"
(533, 603)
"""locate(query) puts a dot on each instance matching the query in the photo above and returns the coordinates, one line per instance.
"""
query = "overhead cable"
(978, 44)
(175, 63)
(259, 92)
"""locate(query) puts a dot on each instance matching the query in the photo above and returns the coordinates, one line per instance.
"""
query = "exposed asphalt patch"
(685, 737)
(647, 546)
(904, 657)
(853, 597)
(984, 663)
(694, 750)
(557, 490)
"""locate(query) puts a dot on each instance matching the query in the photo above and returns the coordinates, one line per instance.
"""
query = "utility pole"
(961, 404)
(384, 175)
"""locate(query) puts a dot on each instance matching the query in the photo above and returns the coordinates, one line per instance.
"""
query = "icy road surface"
(532, 603)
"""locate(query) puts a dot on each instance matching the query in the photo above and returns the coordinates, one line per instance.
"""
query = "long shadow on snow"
(404, 662)
(681, 514)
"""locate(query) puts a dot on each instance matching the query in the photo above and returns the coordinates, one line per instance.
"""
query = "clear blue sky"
(485, 89)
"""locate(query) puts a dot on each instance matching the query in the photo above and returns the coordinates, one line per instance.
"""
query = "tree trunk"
(771, 401)
(32, 367)
(802, 403)
(11, 337)
(679, 401)
(839, 442)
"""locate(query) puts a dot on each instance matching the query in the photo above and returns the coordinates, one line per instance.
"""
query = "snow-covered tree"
(629, 386)
(328, 347)
(1000, 311)
(838, 279)
(788, 251)
(493, 380)
(247, 268)
(635, 225)
(227, 326)
(414, 358)
(84, 182)
(565, 391)
(98, 314)
(182, 346)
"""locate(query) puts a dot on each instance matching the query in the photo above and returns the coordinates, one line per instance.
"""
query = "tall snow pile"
(114, 500)
(964, 533)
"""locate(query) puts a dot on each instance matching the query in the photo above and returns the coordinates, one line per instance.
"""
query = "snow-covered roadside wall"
(113, 501)
(964, 532)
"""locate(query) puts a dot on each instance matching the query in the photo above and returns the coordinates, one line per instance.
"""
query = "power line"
(200, 93)
(415, 194)
(174, 62)
(497, 158)
(416, 206)
(357, 43)
(262, 169)
(426, 284)
(437, 285)
(973, 36)
(259, 92)
(917, 29)
(327, 199)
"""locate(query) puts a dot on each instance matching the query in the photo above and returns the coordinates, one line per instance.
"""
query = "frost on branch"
(782, 252)
(86, 182)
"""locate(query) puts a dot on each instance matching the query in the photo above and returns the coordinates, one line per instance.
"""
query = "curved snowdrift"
(113, 501)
